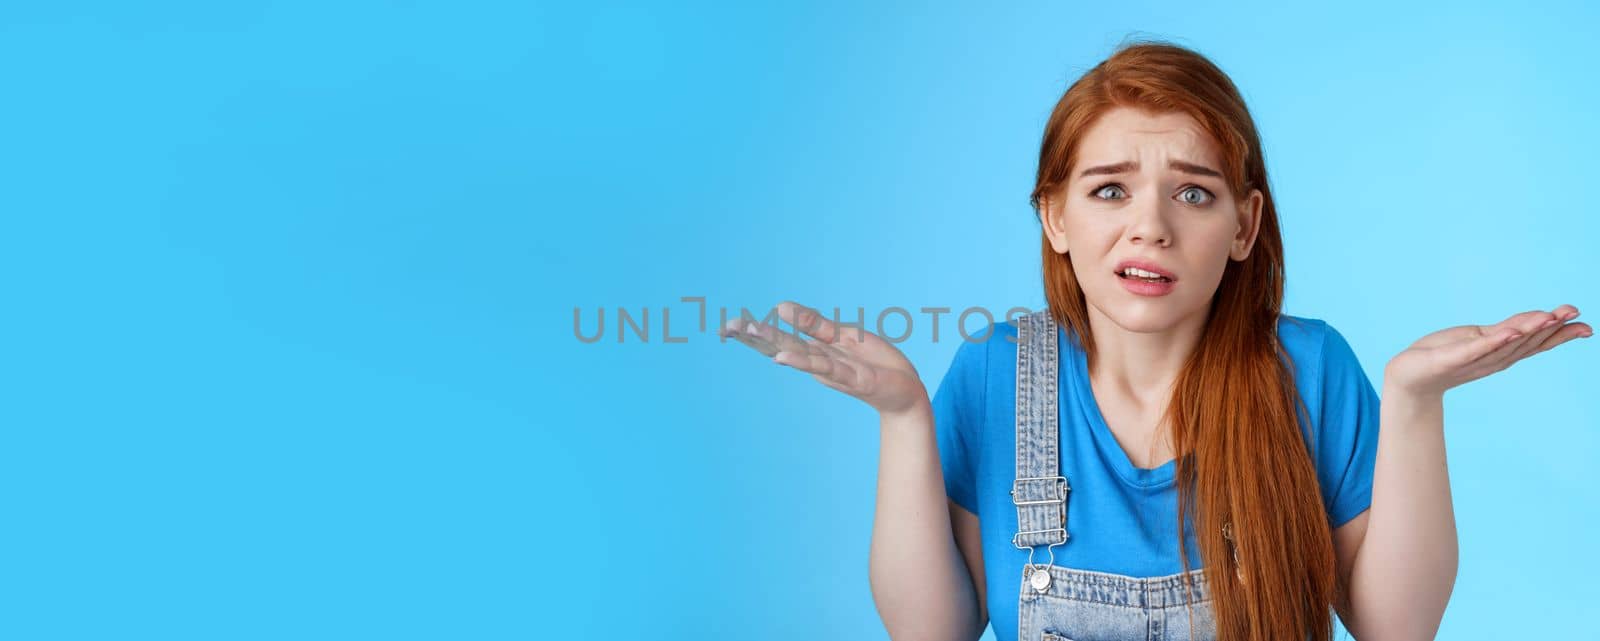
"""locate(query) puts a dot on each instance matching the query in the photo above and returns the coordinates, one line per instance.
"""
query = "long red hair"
(1235, 412)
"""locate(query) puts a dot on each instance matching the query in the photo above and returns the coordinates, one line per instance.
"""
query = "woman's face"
(1149, 188)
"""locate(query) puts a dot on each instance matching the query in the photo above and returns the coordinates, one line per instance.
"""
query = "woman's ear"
(1249, 225)
(1051, 217)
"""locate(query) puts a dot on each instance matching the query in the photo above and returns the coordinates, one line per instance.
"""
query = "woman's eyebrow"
(1127, 166)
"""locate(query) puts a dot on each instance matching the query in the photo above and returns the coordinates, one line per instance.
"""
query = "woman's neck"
(1141, 365)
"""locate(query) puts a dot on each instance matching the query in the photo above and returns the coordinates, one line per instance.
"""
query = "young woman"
(1162, 453)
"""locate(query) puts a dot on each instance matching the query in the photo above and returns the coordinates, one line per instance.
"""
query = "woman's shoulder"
(992, 339)
(1313, 345)
(1301, 334)
(975, 349)
(985, 351)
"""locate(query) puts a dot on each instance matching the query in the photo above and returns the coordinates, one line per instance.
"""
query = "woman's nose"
(1149, 224)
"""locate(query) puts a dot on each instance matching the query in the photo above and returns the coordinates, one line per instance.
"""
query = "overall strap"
(1039, 491)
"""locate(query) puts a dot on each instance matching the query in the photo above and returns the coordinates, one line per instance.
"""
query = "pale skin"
(1148, 195)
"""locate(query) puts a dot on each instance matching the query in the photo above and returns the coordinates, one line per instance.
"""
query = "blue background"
(289, 291)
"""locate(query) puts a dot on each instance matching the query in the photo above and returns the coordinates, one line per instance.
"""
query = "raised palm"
(1456, 355)
(849, 359)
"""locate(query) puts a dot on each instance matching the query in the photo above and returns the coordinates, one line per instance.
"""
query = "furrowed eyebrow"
(1119, 168)
(1191, 168)
(1127, 166)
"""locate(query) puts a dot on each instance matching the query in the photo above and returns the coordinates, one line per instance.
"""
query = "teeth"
(1135, 271)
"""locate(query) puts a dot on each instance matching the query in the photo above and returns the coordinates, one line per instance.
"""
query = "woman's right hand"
(851, 360)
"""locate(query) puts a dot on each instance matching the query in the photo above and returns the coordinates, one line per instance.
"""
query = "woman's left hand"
(1451, 357)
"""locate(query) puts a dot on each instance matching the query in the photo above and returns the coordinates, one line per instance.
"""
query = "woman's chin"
(1148, 317)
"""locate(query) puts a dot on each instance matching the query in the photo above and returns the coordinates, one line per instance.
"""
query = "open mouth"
(1126, 275)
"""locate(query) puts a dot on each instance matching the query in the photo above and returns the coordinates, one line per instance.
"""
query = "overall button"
(1040, 579)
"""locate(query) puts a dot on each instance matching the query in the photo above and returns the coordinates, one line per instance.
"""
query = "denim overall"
(1062, 604)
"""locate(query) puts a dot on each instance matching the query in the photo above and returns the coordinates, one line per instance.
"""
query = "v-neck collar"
(1076, 362)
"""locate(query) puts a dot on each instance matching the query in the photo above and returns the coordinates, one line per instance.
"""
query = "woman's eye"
(1195, 196)
(1109, 189)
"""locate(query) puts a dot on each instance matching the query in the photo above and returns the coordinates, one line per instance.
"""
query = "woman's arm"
(919, 577)
(1405, 549)
(920, 580)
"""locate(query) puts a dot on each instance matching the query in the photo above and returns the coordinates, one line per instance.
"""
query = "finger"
(1534, 339)
(1473, 351)
(1522, 324)
(1580, 330)
(1538, 339)
(1525, 322)
(1499, 358)
(734, 326)
(1563, 334)
(1566, 312)
(730, 327)
(756, 343)
(1546, 336)
(808, 321)
(739, 329)
(820, 365)
(769, 340)
(787, 340)
(777, 336)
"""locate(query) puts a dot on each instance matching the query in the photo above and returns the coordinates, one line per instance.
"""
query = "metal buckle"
(1061, 482)
(1016, 544)
(1061, 489)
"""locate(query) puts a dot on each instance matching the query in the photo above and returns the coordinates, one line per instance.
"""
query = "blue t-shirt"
(1121, 518)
